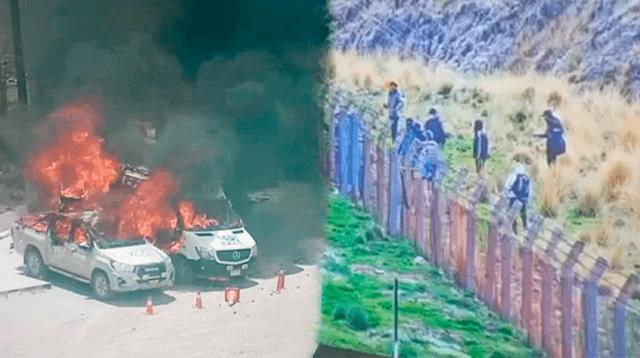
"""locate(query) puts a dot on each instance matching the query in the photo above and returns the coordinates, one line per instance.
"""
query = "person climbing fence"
(556, 142)
(480, 145)
(431, 161)
(519, 189)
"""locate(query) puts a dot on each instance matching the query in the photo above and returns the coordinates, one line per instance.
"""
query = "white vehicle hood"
(222, 240)
(135, 255)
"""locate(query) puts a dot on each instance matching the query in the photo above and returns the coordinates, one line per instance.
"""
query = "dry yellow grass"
(599, 174)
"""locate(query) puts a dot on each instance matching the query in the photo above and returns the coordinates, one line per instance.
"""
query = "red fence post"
(619, 317)
(507, 253)
(527, 273)
(420, 214)
(436, 219)
(567, 298)
(454, 218)
(590, 307)
(470, 269)
(495, 222)
(547, 287)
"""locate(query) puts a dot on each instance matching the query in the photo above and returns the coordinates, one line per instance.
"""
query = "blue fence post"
(395, 194)
(590, 307)
(356, 156)
(366, 169)
(345, 160)
(619, 317)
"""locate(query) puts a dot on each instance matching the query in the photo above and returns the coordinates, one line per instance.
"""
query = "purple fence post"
(495, 221)
(590, 307)
(470, 269)
(527, 272)
(547, 287)
(366, 180)
(567, 298)
(507, 253)
(380, 183)
(619, 317)
(395, 194)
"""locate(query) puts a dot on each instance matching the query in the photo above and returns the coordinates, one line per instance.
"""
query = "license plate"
(235, 272)
(153, 283)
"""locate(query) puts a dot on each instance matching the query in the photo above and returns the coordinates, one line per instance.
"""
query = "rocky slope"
(593, 42)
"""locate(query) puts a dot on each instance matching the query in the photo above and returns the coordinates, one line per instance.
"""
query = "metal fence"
(567, 302)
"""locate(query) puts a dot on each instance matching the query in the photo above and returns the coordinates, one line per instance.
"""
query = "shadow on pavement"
(213, 286)
(123, 299)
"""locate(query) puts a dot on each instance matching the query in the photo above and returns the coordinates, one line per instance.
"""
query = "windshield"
(112, 244)
(221, 210)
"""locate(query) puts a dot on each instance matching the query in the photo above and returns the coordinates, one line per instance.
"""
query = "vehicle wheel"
(101, 286)
(35, 264)
(184, 272)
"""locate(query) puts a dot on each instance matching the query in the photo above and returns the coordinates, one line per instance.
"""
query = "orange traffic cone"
(198, 301)
(149, 306)
(280, 285)
(232, 295)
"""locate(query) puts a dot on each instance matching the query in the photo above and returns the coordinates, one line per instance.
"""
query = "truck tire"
(101, 286)
(184, 272)
(35, 264)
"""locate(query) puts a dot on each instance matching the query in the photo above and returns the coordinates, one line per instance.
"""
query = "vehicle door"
(59, 245)
(81, 252)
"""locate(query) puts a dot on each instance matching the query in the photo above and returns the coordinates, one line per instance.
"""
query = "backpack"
(520, 187)
(557, 143)
(428, 169)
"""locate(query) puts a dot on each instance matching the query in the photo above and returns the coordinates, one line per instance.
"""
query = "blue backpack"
(557, 144)
(428, 169)
(520, 187)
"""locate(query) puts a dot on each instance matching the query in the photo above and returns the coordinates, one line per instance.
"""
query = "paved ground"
(66, 322)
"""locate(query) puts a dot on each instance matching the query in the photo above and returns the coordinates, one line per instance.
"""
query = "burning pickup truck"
(210, 245)
(74, 246)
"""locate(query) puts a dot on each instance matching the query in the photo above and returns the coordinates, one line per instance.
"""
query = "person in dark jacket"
(519, 189)
(556, 142)
(434, 124)
(395, 104)
(480, 145)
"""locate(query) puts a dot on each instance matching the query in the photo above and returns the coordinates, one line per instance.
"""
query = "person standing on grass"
(480, 145)
(519, 186)
(395, 104)
(434, 124)
(556, 143)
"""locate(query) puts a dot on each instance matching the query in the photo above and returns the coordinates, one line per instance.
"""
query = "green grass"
(431, 301)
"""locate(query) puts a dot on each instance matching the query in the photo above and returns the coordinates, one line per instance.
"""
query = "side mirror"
(84, 245)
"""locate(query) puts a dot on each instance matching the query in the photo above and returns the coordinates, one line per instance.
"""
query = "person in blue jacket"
(395, 104)
(519, 189)
(413, 135)
(480, 145)
(556, 142)
(434, 124)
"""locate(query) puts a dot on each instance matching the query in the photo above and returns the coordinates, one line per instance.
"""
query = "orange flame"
(148, 210)
(191, 220)
(76, 165)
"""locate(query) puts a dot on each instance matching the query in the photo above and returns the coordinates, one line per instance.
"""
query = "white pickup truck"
(71, 245)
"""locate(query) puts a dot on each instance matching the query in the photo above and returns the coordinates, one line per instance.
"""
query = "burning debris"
(76, 165)
(77, 173)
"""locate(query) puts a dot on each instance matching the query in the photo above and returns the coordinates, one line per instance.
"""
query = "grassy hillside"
(593, 192)
(436, 320)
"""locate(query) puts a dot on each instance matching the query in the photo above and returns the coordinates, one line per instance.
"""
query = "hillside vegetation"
(593, 192)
